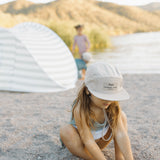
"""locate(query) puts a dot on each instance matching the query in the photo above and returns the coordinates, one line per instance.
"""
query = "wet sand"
(30, 122)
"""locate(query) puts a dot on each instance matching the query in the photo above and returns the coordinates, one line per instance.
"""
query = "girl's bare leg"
(72, 141)
(83, 74)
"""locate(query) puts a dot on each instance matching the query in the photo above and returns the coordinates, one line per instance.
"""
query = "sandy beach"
(30, 122)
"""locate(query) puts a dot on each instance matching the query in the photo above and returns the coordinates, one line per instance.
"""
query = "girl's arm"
(74, 45)
(88, 43)
(86, 136)
(122, 139)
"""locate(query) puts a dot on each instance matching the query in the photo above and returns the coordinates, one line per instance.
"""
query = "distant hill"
(116, 19)
(142, 17)
(151, 7)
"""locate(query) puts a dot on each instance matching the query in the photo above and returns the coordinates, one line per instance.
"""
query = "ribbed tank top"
(99, 129)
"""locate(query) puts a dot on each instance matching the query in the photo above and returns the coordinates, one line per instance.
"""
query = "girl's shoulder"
(123, 115)
(122, 118)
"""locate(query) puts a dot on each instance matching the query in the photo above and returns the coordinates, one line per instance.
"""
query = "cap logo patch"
(110, 86)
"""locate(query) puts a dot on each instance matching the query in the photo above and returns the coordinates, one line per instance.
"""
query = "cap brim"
(118, 96)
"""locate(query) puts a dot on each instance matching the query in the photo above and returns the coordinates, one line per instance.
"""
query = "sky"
(122, 2)
(131, 2)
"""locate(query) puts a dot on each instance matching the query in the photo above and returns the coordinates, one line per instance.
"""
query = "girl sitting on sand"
(97, 117)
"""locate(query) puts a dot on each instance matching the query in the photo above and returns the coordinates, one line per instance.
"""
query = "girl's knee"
(64, 131)
(70, 137)
(67, 132)
(124, 117)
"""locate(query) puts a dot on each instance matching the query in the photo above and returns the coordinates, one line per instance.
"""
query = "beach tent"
(5, 1)
(41, 1)
(35, 59)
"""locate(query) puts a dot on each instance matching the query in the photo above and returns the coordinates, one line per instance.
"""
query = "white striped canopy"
(41, 1)
(6, 1)
(35, 59)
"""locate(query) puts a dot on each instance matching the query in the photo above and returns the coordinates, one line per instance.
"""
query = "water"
(134, 53)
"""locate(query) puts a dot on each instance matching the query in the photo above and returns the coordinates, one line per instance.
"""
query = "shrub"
(98, 39)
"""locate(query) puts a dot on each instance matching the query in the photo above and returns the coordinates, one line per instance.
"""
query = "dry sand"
(30, 122)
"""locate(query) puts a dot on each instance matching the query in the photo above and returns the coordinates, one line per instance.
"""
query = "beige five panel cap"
(105, 81)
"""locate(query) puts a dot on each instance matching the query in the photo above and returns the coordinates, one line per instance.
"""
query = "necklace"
(106, 120)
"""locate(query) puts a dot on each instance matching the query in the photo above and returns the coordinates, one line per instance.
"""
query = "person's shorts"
(80, 64)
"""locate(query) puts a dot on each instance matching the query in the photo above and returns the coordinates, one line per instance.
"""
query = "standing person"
(81, 41)
(97, 117)
(83, 44)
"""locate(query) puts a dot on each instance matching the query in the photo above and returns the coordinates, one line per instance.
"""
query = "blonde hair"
(84, 102)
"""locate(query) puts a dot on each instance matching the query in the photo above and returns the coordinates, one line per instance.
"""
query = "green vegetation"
(64, 31)
(114, 19)
(99, 38)
(100, 19)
